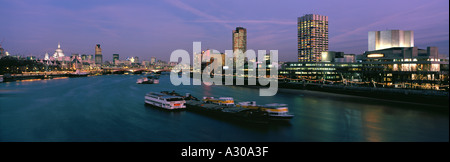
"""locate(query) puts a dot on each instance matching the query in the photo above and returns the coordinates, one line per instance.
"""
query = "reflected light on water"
(372, 131)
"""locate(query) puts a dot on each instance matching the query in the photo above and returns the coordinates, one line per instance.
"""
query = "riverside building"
(406, 67)
(312, 37)
(395, 63)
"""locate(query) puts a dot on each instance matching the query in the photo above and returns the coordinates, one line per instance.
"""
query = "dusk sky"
(156, 28)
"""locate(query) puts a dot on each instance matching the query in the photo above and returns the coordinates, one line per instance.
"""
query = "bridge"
(116, 70)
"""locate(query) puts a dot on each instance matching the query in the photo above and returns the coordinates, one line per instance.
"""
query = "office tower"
(136, 59)
(115, 58)
(153, 60)
(312, 37)
(98, 54)
(240, 39)
(390, 38)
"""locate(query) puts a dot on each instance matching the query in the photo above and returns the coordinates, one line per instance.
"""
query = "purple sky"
(156, 28)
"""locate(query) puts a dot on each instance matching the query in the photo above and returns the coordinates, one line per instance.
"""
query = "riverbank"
(424, 97)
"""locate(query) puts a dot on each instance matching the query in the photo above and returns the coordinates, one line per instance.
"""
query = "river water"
(111, 108)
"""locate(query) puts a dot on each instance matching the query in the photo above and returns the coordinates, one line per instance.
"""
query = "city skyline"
(155, 29)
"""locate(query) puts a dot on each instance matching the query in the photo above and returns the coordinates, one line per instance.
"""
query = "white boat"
(165, 101)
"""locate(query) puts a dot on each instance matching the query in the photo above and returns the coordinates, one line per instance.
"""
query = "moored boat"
(165, 101)
(227, 101)
(276, 111)
(148, 80)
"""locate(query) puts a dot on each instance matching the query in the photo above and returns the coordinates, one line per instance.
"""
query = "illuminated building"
(390, 38)
(312, 37)
(46, 57)
(58, 52)
(333, 56)
(240, 39)
(406, 67)
(335, 67)
(98, 55)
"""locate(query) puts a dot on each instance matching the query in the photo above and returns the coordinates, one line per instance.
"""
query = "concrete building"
(406, 67)
(98, 55)
(390, 38)
(240, 39)
(334, 67)
(333, 56)
(312, 37)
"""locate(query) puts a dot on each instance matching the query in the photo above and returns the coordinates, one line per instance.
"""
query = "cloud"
(194, 11)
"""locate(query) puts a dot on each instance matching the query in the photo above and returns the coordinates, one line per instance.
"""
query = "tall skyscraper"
(98, 54)
(312, 37)
(240, 39)
(115, 58)
(390, 38)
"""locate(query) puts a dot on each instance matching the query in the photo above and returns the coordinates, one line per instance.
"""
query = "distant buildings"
(115, 58)
(153, 60)
(136, 60)
(2, 52)
(211, 55)
(390, 38)
(98, 55)
(312, 37)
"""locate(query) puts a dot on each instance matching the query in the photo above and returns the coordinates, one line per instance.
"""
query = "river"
(111, 108)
